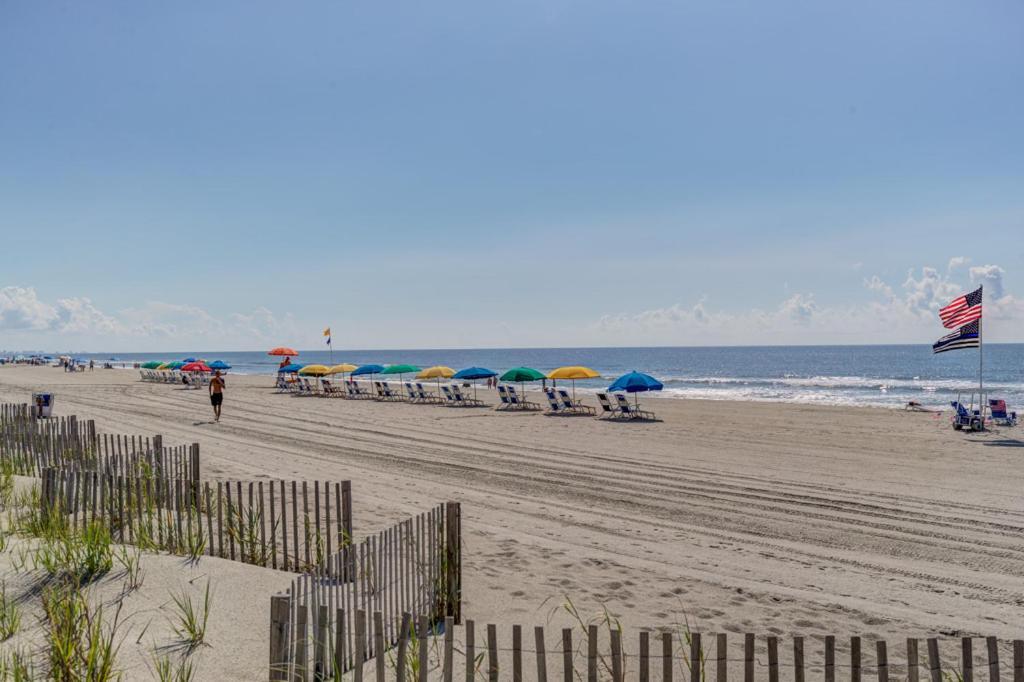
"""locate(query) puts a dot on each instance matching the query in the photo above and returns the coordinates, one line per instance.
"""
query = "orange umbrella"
(283, 350)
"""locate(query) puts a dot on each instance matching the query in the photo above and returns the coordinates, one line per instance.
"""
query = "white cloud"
(957, 262)
(21, 310)
(905, 314)
(79, 320)
(991, 277)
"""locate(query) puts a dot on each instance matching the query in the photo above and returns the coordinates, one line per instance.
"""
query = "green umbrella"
(152, 364)
(400, 370)
(521, 374)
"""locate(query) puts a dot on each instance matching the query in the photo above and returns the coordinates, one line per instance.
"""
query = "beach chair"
(964, 418)
(426, 396)
(628, 410)
(1000, 415)
(449, 397)
(520, 402)
(281, 386)
(465, 400)
(608, 410)
(506, 403)
(358, 391)
(555, 406)
(574, 406)
(330, 390)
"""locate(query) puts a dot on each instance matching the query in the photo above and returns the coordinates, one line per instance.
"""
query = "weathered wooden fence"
(444, 651)
(278, 524)
(29, 445)
(412, 568)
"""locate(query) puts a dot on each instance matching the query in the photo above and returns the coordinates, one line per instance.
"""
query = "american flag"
(964, 337)
(962, 310)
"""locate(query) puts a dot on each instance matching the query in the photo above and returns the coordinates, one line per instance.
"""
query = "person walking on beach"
(216, 394)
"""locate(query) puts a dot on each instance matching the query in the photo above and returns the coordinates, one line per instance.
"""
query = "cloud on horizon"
(904, 314)
(894, 313)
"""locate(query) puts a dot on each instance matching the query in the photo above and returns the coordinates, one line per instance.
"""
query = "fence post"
(194, 473)
(453, 561)
(279, 613)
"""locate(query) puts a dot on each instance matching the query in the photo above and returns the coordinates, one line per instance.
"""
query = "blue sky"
(237, 174)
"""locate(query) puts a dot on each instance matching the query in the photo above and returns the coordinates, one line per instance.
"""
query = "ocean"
(887, 376)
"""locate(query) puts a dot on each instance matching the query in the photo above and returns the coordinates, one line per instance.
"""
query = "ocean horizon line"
(496, 348)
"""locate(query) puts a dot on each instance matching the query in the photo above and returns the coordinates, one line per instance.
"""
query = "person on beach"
(216, 394)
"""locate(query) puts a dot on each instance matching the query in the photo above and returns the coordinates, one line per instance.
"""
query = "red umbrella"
(196, 367)
(283, 350)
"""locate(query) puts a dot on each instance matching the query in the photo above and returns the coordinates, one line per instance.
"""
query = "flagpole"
(981, 356)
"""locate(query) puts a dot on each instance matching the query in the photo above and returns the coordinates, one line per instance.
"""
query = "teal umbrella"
(401, 370)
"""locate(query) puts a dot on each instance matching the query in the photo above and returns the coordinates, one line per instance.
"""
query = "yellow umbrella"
(165, 365)
(343, 368)
(573, 373)
(315, 370)
(436, 372)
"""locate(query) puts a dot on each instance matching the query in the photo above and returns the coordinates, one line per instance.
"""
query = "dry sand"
(760, 517)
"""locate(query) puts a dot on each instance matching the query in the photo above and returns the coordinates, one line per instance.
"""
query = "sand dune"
(736, 516)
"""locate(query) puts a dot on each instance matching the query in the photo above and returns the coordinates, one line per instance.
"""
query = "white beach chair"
(465, 400)
(608, 410)
(555, 406)
(574, 406)
(629, 411)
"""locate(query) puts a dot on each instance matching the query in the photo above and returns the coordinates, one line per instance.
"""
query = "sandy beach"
(759, 517)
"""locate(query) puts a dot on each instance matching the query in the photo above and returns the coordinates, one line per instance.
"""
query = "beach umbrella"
(520, 375)
(195, 367)
(219, 364)
(572, 374)
(367, 369)
(190, 360)
(636, 382)
(471, 373)
(177, 364)
(283, 350)
(474, 373)
(164, 365)
(288, 369)
(315, 370)
(401, 371)
(152, 364)
(342, 368)
(437, 372)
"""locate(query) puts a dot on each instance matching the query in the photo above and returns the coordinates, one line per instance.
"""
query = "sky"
(238, 175)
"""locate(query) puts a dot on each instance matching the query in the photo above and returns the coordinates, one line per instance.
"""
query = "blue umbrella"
(219, 364)
(288, 369)
(368, 369)
(472, 373)
(189, 360)
(636, 382)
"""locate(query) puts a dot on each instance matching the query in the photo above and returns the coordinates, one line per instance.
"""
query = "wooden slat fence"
(29, 445)
(289, 525)
(445, 651)
(414, 567)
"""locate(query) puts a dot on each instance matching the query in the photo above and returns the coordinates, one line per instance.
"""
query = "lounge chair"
(282, 384)
(628, 410)
(574, 406)
(330, 390)
(506, 403)
(520, 403)
(410, 393)
(425, 396)
(449, 397)
(608, 410)
(964, 418)
(358, 391)
(1000, 415)
(465, 400)
(390, 394)
(555, 406)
